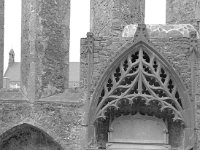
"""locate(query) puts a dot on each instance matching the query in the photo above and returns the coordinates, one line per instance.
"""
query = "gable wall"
(106, 49)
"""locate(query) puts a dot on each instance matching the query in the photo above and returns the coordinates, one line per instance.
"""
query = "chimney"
(11, 57)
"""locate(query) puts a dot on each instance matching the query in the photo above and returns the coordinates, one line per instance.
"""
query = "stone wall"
(182, 12)
(61, 121)
(197, 98)
(105, 49)
(1, 41)
(28, 137)
(59, 112)
(109, 17)
(45, 47)
(175, 50)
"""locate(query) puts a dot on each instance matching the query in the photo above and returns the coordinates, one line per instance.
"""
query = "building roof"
(74, 71)
(13, 72)
(161, 31)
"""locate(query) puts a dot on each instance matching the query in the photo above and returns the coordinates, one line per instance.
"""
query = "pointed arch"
(141, 73)
(20, 129)
(142, 65)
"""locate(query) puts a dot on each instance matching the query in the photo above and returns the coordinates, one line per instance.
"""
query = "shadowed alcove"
(27, 137)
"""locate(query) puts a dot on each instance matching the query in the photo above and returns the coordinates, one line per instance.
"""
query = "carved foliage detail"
(140, 74)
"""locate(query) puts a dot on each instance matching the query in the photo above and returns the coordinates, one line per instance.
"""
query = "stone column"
(45, 47)
(181, 12)
(109, 17)
(1, 41)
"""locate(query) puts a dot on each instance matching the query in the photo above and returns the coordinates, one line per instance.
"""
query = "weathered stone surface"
(108, 17)
(1, 41)
(45, 47)
(83, 64)
(12, 94)
(61, 113)
(61, 121)
(175, 50)
(162, 31)
(28, 137)
(181, 12)
(198, 123)
(25, 45)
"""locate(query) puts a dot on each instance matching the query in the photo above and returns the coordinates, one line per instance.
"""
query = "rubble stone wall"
(197, 96)
(45, 46)
(1, 41)
(175, 50)
(182, 11)
(61, 121)
(109, 17)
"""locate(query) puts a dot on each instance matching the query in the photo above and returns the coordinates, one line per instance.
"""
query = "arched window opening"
(27, 137)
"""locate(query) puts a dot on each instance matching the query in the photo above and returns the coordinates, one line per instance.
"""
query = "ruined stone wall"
(109, 17)
(61, 121)
(105, 50)
(84, 61)
(45, 47)
(28, 137)
(1, 41)
(197, 96)
(44, 101)
(182, 12)
(175, 50)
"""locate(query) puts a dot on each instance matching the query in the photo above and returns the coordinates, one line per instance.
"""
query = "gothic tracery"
(140, 75)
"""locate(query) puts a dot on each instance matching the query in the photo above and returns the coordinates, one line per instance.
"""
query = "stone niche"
(27, 137)
(142, 129)
(138, 129)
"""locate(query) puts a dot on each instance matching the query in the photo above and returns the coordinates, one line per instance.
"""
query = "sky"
(12, 29)
(155, 11)
(79, 24)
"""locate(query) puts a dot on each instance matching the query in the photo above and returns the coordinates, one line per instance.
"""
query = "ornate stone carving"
(140, 74)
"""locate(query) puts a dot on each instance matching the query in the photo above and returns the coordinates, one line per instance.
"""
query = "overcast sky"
(79, 24)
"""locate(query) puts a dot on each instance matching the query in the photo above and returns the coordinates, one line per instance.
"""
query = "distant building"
(12, 75)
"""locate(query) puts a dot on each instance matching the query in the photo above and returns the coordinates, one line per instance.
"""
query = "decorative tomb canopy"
(140, 80)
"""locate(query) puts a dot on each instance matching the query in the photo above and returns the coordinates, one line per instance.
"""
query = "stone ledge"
(12, 95)
(67, 104)
(162, 31)
(69, 95)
